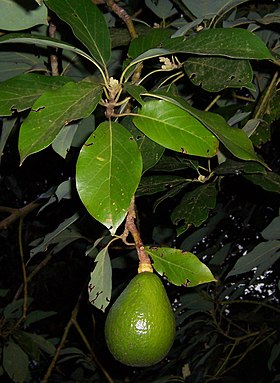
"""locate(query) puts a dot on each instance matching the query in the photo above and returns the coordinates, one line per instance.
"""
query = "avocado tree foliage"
(162, 111)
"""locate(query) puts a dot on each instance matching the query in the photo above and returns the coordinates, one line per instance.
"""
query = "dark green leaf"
(19, 93)
(262, 257)
(172, 164)
(53, 237)
(238, 167)
(175, 129)
(209, 9)
(100, 285)
(152, 39)
(181, 268)
(38, 315)
(52, 111)
(269, 181)
(162, 8)
(151, 151)
(194, 206)
(216, 73)
(15, 16)
(135, 91)
(168, 194)
(88, 25)
(109, 168)
(15, 362)
(158, 183)
(272, 231)
(18, 62)
(25, 38)
(229, 42)
(62, 142)
(33, 344)
(196, 301)
(7, 127)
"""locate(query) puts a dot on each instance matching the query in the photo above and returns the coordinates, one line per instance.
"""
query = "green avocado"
(140, 326)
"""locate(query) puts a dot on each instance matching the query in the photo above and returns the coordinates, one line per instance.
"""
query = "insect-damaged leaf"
(100, 284)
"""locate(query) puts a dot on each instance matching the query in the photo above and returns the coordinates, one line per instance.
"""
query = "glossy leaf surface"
(109, 168)
(234, 139)
(180, 267)
(151, 152)
(229, 42)
(52, 111)
(19, 93)
(175, 129)
(88, 25)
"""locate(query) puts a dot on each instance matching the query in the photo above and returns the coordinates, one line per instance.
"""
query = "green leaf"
(180, 267)
(15, 362)
(151, 151)
(19, 93)
(158, 183)
(18, 15)
(38, 315)
(88, 25)
(152, 39)
(52, 237)
(262, 257)
(25, 38)
(230, 42)
(7, 127)
(194, 206)
(53, 110)
(100, 285)
(162, 8)
(175, 129)
(109, 168)
(237, 167)
(234, 139)
(272, 231)
(173, 164)
(269, 181)
(14, 63)
(33, 343)
(135, 91)
(62, 142)
(211, 8)
(196, 301)
(216, 73)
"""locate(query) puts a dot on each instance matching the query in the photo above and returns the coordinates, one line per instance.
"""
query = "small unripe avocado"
(140, 326)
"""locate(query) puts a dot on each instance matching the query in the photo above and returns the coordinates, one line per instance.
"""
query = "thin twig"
(24, 274)
(250, 302)
(261, 108)
(53, 56)
(124, 16)
(90, 349)
(62, 341)
(34, 272)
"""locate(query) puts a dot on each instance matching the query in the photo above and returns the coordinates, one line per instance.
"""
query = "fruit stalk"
(144, 260)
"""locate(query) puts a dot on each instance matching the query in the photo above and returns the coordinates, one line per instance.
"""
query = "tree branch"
(16, 214)
(130, 226)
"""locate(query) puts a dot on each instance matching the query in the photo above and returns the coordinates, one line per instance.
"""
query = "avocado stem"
(144, 260)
